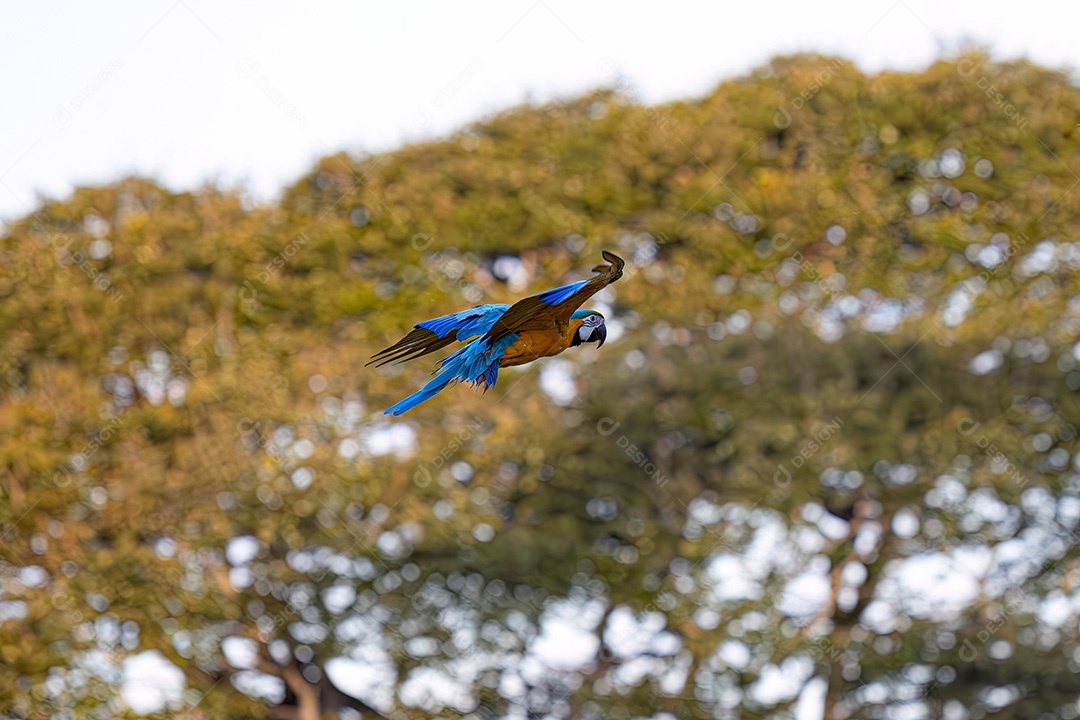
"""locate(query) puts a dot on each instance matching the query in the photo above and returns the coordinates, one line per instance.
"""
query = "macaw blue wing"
(562, 293)
(466, 323)
(553, 308)
(435, 334)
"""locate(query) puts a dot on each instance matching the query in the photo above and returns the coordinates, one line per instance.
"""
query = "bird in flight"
(499, 335)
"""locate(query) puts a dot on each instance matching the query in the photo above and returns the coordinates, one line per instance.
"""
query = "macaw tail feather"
(487, 379)
(471, 364)
(433, 388)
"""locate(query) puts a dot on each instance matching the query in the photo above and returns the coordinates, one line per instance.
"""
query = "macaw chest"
(534, 344)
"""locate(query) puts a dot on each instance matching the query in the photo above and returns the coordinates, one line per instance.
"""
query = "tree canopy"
(826, 459)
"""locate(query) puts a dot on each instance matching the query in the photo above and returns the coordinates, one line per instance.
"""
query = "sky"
(250, 94)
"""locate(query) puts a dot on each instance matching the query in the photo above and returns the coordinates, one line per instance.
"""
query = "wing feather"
(554, 307)
(432, 335)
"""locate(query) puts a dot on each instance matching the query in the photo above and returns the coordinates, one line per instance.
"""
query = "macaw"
(498, 335)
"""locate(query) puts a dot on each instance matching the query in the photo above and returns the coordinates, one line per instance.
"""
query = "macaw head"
(592, 328)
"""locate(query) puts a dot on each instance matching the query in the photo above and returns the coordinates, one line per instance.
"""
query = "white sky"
(182, 94)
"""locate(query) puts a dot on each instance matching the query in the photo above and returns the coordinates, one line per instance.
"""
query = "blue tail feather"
(477, 363)
(430, 390)
(491, 376)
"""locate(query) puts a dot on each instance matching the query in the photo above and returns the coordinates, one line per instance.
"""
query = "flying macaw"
(499, 335)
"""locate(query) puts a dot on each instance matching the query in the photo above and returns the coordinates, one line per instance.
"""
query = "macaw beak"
(601, 334)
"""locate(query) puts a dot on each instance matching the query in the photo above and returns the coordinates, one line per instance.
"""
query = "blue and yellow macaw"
(499, 335)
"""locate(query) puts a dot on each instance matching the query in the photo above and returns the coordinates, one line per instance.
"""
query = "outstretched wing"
(435, 334)
(553, 308)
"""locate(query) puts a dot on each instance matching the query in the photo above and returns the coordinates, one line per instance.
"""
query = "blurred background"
(826, 465)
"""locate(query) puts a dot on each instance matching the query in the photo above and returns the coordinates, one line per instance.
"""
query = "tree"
(827, 457)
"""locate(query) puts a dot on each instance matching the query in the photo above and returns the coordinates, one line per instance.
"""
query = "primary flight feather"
(499, 335)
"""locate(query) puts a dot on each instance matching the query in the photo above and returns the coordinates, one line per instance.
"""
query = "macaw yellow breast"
(535, 344)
